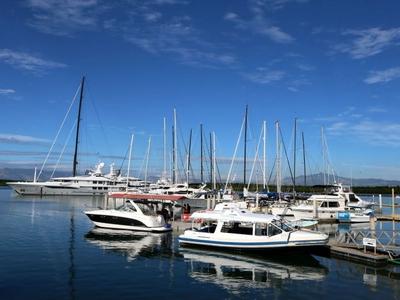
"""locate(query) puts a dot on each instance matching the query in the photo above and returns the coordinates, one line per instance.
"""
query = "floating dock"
(358, 254)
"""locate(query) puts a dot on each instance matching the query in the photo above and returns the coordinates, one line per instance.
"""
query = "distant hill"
(318, 179)
(27, 174)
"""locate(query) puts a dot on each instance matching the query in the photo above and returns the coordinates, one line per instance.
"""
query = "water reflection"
(131, 244)
(234, 271)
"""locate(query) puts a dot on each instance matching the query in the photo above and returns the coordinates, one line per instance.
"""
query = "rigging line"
(106, 141)
(63, 149)
(234, 155)
(255, 159)
(287, 158)
(59, 130)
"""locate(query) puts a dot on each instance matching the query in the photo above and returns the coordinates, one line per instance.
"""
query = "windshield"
(146, 209)
(282, 225)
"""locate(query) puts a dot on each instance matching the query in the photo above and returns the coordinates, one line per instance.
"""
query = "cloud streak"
(369, 42)
(27, 62)
(383, 76)
(6, 138)
(64, 17)
(7, 91)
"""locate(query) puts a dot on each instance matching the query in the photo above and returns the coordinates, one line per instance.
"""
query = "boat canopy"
(145, 196)
(234, 215)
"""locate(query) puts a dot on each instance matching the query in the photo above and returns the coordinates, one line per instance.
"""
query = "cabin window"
(273, 230)
(334, 204)
(238, 228)
(324, 204)
(261, 229)
(146, 209)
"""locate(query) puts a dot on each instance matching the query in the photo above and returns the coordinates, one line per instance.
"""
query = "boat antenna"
(77, 129)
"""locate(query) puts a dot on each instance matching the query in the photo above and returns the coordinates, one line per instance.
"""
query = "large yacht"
(94, 183)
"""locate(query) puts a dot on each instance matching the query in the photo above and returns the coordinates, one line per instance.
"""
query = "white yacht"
(322, 208)
(94, 183)
(163, 187)
(242, 229)
(137, 215)
(351, 199)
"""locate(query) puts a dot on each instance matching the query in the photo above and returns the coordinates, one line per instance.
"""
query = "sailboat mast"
(211, 160)
(304, 160)
(75, 162)
(188, 158)
(174, 150)
(165, 149)
(245, 148)
(264, 153)
(147, 160)
(129, 161)
(214, 163)
(294, 158)
(278, 160)
(201, 154)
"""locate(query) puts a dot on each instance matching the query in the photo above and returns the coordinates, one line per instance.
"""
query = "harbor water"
(50, 250)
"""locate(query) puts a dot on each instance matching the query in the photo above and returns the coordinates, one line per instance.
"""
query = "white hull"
(43, 189)
(135, 228)
(295, 239)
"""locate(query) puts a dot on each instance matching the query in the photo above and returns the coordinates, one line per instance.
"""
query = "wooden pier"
(395, 217)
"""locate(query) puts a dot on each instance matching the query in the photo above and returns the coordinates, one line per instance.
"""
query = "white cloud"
(28, 62)
(383, 75)
(265, 76)
(63, 17)
(21, 139)
(6, 91)
(377, 109)
(371, 132)
(369, 42)
(259, 24)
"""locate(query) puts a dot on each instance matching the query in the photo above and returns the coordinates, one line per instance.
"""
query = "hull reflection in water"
(131, 244)
(234, 271)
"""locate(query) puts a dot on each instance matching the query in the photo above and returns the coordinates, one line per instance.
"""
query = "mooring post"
(315, 209)
(257, 200)
(208, 202)
(380, 202)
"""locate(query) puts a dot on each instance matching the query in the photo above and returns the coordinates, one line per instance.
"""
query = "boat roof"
(144, 196)
(234, 215)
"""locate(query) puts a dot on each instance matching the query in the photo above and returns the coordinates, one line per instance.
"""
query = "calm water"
(50, 250)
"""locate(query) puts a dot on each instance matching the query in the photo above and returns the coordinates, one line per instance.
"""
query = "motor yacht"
(138, 214)
(242, 229)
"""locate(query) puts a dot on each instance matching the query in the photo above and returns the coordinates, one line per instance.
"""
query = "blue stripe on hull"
(248, 244)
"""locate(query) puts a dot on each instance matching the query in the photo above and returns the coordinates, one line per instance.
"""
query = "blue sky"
(328, 63)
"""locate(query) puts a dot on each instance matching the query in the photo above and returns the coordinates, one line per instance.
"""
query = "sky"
(330, 64)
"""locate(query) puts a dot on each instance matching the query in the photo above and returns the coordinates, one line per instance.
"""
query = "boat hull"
(38, 189)
(133, 228)
(220, 241)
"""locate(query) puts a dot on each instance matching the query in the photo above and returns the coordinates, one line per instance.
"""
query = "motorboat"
(242, 229)
(319, 207)
(138, 214)
(355, 216)
(351, 199)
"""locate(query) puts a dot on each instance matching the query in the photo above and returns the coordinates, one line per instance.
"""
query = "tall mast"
(77, 129)
(323, 154)
(129, 161)
(294, 157)
(278, 160)
(214, 163)
(264, 153)
(245, 148)
(304, 160)
(147, 160)
(211, 160)
(174, 150)
(201, 154)
(164, 175)
(188, 158)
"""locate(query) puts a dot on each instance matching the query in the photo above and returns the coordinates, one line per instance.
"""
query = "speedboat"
(242, 229)
(131, 215)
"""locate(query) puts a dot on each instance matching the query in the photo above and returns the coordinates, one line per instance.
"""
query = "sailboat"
(95, 182)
